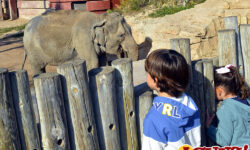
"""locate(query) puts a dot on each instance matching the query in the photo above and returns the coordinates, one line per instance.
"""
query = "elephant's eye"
(121, 35)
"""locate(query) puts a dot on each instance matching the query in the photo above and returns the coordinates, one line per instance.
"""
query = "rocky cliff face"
(200, 24)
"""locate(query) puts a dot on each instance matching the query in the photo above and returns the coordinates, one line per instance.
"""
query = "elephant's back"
(49, 36)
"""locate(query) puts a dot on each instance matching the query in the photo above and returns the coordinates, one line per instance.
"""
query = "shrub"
(169, 10)
(164, 6)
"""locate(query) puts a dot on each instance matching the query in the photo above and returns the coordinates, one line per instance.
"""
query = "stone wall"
(200, 24)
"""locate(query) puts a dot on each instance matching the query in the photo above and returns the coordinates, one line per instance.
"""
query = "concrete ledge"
(33, 4)
(30, 13)
(240, 5)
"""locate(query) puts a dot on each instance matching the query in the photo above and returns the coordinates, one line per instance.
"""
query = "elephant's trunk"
(130, 47)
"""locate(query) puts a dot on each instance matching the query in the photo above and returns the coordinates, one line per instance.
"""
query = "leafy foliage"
(169, 10)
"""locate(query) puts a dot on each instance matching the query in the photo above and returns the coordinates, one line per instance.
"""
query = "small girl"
(174, 119)
(234, 113)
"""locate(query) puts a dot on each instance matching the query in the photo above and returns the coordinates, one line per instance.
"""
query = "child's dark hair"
(232, 82)
(171, 70)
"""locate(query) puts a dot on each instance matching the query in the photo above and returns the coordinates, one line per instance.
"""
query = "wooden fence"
(102, 109)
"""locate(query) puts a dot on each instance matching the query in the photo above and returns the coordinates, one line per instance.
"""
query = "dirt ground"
(12, 56)
(11, 50)
(12, 23)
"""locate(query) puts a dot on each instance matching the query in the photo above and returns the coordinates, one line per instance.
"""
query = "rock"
(200, 24)
(240, 4)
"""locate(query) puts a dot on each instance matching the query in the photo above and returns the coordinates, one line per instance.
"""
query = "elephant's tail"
(25, 56)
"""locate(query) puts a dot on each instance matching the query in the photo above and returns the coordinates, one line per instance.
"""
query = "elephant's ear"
(98, 37)
(126, 27)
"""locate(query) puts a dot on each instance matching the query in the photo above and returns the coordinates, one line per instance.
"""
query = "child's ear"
(156, 80)
(220, 92)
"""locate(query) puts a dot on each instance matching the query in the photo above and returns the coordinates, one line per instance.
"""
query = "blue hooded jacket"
(171, 123)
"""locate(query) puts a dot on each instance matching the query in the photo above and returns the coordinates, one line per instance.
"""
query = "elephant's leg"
(91, 61)
(89, 56)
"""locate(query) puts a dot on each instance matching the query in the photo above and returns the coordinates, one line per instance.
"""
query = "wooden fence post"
(28, 132)
(78, 105)
(9, 137)
(216, 61)
(209, 92)
(143, 102)
(245, 42)
(198, 88)
(231, 22)
(53, 123)
(227, 47)
(182, 45)
(126, 103)
(102, 85)
(209, 85)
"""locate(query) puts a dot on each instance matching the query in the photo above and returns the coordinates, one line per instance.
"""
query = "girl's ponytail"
(241, 88)
(230, 78)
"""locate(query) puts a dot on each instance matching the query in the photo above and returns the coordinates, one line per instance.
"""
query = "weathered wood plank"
(182, 45)
(78, 106)
(245, 42)
(126, 103)
(1, 10)
(9, 137)
(13, 9)
(102, 85)
(25, 115)
(231, 22)
(198, 89)
(216, 61)
(227, 47)
(143, 102)
(50, 101)
(209, 90)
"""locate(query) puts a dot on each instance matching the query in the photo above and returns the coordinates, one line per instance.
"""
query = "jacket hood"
(184, 108)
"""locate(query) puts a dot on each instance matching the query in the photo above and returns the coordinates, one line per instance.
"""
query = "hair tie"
(225, 69)
(229, 66)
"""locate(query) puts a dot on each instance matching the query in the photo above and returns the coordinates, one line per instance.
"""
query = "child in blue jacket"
(174, 119)
(234, 113)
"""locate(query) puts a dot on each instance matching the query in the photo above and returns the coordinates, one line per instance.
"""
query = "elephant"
(60, 36)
